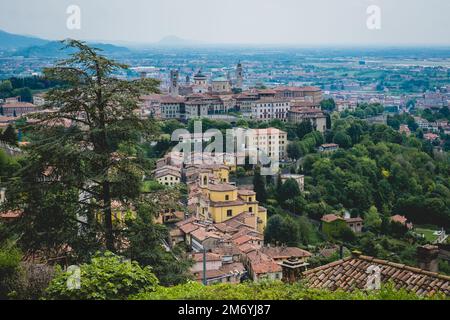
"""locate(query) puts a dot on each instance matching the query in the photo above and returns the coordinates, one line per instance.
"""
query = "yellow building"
(222, 201)
(218, 172)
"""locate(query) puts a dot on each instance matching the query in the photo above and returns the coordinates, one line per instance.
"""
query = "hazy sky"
(300, 22)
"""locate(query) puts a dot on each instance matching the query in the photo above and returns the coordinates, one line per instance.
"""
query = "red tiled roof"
(285, 252)
(331, 218)
(400, 219)
(352, 273)
(198, 257)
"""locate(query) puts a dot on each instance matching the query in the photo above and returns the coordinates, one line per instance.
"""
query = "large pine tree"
(82, 158)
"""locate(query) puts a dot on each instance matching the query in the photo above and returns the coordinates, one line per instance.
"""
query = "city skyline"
(250, 22)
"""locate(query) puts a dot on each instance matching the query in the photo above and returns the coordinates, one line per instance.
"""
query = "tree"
(328, 104)
(259, 186)
(281, 230)
(9, 135)
(5, 89)
(303, 128)
(343, 140)
(25, 94)
(10, 257)
(106, 277)
(87, 158)
(289, 190)
(372, 219)
(294, 151)
(146, 247)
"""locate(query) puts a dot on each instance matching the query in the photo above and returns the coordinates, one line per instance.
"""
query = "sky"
(292, 22)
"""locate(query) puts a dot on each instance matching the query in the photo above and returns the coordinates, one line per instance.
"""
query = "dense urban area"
(98, 200)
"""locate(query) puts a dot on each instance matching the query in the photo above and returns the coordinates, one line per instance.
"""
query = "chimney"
(293, 269)
(427, 257)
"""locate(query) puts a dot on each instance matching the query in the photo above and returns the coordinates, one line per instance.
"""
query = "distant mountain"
(9, 41)
(174, 41)
(54, 49)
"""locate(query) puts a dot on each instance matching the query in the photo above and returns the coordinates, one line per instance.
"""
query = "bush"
(271, 291)
(10, 258)
(107, 277)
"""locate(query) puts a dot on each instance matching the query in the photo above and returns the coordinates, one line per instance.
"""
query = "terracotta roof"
(198, 257)
(221, 187)
(18, 105)
(400, 219)
(189, 227)
(246, 192)
(351, 273)
(226, 203)
(331, 218)
(248, 247)
(224, 271)
(226, 250)
(261, 263)
(201, 234)
(353, 220)
(10, 214)
(285, 252)
(242, 239)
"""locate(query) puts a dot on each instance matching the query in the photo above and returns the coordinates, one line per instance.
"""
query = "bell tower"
(239, 76)
(174, 88)
(204, 180)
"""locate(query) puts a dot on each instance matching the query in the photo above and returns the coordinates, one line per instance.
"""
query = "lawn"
(429, 234)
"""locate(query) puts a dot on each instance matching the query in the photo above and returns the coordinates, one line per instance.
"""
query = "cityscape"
(186, 170)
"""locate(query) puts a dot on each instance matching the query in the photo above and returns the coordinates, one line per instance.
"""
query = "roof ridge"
(404, 266)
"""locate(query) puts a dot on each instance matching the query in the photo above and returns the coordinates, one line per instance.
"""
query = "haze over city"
(291, 22)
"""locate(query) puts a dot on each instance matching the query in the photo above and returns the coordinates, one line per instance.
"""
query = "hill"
(54, 49)
(11, 41)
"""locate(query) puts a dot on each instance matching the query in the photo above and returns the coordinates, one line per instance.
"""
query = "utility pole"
(204, 267)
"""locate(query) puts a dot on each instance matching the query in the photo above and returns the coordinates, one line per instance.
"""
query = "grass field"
(429, 234)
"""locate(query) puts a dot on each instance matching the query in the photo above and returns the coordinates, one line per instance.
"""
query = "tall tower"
(174, 88)
(239, 76)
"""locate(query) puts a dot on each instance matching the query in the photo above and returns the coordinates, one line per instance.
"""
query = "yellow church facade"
(222, 201)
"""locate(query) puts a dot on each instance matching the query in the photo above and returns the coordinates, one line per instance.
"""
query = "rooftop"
(352, 273)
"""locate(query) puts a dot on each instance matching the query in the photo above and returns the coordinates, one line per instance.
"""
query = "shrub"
(268, 290)
(107, 277)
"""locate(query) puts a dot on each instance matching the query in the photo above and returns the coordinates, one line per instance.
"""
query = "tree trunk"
(107, 215)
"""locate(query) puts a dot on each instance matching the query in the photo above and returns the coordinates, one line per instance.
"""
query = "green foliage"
(96, 157)
(288, 190)
(9, 136)
(145, 246)
(372, 219)
(10, 257)
(106, 277)
(343, 140)
(283, 229)
(383, 169)
(272, 291)
(8, 166)
(259, 186)
(338, 231)
(328, 104)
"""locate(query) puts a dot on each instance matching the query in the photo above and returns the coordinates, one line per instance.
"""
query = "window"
(250, 199)
(250, 209)
(229, 213)
(227, 197)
